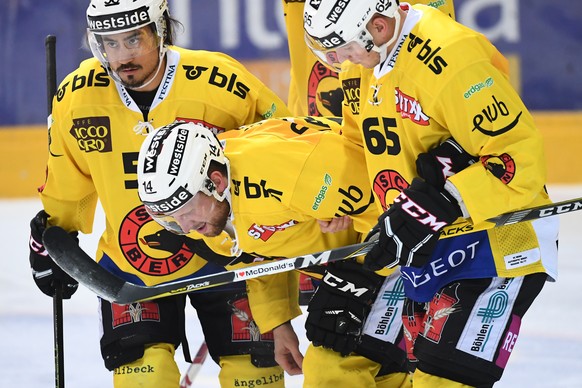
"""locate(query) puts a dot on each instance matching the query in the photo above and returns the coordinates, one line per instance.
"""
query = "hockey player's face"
(203, 214)
(355, 53)
(133, 55)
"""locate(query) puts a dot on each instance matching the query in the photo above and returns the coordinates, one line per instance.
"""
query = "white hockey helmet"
(173, 167)
(108, 17)
(331, 24)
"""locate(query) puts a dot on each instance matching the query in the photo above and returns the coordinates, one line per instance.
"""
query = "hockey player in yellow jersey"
(434, 79)
(264, 195)
(102, 112)
(315, 89)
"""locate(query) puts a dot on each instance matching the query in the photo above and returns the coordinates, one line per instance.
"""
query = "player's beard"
(133, 82)
(219, 219)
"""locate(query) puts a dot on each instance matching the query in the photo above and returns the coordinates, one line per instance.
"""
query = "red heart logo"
(241, 274)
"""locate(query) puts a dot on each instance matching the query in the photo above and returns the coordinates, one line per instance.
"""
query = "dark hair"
(217, 166)
(171, 26)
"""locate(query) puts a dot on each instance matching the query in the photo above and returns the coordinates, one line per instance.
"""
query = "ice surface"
(548, 351)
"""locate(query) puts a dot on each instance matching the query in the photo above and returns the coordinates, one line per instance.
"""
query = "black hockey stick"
(51, 89)
(73, 260)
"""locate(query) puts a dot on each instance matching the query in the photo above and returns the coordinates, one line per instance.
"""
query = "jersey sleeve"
(68, 194)
(274, 299)
(329, 186)
(494, 124)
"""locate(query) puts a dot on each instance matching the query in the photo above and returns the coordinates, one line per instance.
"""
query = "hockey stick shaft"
(73, 260)
(195, 367)
(51, 88)
(67, 254)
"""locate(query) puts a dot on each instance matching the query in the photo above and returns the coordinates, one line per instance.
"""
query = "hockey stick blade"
(74, 261)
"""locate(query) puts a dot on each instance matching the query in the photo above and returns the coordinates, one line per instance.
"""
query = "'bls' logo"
(427, 54)
(218, 79)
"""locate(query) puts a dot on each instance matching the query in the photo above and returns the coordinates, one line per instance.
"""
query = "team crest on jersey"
(150, 249)
(386, 181)
(410, 108)
(323, 93)
(502, 166)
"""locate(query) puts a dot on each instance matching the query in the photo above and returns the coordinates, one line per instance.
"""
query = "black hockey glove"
(45, 271)
(409, 229)
(340, 305)
(443, 161)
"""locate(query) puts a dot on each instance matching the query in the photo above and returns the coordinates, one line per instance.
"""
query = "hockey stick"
(51, 88)
(74, 261)
(194, 368)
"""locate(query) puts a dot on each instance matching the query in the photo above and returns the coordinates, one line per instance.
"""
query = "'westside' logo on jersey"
(491, 113)
(92, 133)
(427, 54)
(218, 79)
(409, 108)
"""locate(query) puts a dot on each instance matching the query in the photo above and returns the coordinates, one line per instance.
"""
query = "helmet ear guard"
(173, 166)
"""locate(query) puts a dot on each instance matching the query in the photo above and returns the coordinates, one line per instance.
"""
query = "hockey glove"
(442, 162)
(409, 229)
(340, 306)
(45, 272)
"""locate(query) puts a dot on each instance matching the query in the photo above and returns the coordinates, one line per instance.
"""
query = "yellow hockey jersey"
(444, 80)
(94, 151)
(285, 174)
(315, 90)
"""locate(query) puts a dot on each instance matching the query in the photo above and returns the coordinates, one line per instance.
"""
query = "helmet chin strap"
(383, 48)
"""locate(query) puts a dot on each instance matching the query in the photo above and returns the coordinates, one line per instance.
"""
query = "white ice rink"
(548, 352)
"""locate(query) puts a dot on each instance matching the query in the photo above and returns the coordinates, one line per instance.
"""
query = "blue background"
(546, 37)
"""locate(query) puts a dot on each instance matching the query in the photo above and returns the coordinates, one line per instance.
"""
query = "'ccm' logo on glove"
(344, 285)
(417, 212)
